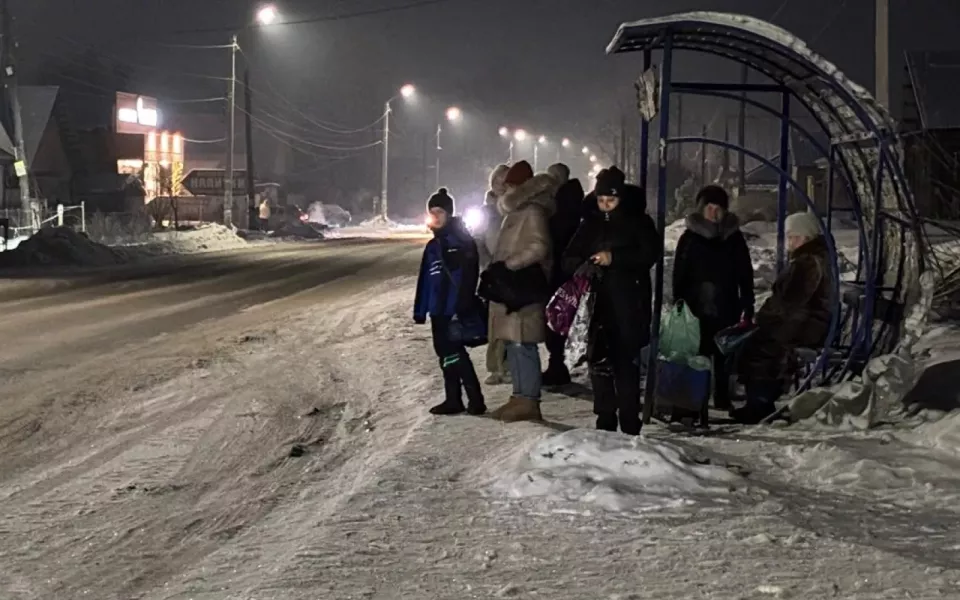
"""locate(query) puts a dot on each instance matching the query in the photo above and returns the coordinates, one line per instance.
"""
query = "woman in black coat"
(713, 276)
(619, 243)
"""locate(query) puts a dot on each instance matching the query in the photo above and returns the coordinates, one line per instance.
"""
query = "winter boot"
(607, 422)
(519, 409)
(628, 397)
(753, 414)
(471, 384)
(453, 404)
(497, 379)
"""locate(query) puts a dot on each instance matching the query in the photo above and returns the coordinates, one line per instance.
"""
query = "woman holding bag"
(446, 293)
(620, 243)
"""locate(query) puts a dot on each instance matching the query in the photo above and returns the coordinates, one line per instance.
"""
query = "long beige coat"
(525, 240)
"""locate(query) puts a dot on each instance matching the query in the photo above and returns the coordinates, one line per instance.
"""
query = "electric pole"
(248, 142)
(386, 161)
(9, 73)
(231, 125)
(883, 53)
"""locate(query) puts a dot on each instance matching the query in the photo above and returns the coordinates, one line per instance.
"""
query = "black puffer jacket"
(623, 291)
(713, 271)
(564, 224)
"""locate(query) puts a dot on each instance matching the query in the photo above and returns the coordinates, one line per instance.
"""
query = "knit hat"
(805, 224)
(442, 199)
(560, 172)
(610, 182)
(519, 173)
(713, 194)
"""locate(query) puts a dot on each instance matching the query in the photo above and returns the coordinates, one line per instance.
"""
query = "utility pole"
(742, 134)
(231, 119)
(436, 168)
(536, 157)
(9, 72)
(386, 160)
(252, 214)
(883, 53)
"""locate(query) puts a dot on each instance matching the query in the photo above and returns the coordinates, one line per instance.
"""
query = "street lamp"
(453, 114)
(406, 92)
(520, 135)
(565, 143)
(585, 150)
(593, 158)
(265, 16)
(506, 134)
(541, 141)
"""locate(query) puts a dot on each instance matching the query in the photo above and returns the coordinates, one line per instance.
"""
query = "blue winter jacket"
(449, 272)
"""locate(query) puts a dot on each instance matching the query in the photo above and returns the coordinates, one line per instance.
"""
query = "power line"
(350, 15)
(216, 141)
(308, 142)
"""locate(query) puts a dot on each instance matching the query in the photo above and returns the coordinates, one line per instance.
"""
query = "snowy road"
(262, 434)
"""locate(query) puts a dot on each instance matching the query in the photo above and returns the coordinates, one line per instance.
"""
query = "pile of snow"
(205, 238)
(614, 472)
(12, 243)
(300, 230)
(60, 246)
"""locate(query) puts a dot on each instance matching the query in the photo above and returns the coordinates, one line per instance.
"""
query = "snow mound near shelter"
(205, 238)
(60, 246)
(613, 472)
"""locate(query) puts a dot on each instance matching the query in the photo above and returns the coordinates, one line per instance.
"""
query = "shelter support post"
(666, 70)
(829, 188)
(782, 186)
(643, 159)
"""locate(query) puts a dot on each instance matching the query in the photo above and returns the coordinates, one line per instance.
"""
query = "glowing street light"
(267, 15)
(520, 135)
(593, 158)
(565, 143)
(406, 92)
(542, 140)
(454, 114)
(504, 132)
(585, 150)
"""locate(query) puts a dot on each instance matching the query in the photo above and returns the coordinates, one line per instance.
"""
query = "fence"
(23, 223)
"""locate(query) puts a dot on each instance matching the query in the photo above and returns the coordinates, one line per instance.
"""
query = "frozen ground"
(299, 462)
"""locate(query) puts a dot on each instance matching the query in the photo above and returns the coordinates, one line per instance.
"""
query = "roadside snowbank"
(60, 246)
(205, 238)
(612, 471)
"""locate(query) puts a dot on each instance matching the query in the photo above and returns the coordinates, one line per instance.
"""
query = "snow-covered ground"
(205, 238)
(303, 465)
(379, 228)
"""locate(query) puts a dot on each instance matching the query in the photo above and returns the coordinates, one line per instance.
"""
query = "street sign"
(209, 182)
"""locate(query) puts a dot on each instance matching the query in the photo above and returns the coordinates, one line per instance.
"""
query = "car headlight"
(474, 219)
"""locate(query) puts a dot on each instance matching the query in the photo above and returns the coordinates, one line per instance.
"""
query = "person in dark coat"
(796, 315)
(713, 275)
(619, 243)
(446, 290)
(563, 225)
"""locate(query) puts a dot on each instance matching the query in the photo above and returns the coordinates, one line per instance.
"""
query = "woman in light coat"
(524, 241)
(487, 245)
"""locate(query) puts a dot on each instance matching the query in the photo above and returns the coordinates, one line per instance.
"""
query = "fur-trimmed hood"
(497, 176)
(540, 190)
(699, 225)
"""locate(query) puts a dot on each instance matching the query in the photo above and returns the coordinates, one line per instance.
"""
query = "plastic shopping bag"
(683, 384)
(731, 339)
(575, 350)
(562, 308)
(679, 334)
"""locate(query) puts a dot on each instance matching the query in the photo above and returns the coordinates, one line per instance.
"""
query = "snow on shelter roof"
(850, 115)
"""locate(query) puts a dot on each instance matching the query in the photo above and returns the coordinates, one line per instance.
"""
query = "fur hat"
(713, 194)
(610, 182)
(805, 224)
(519, 174)
(442, 199)
(497, 176)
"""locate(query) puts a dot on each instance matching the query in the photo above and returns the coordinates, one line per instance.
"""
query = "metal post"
(643, 166)
(386, 160)
(742, 134)
(511, 152)
(882, 56)
(437, 166)
(536, 157)
(703, 158)
(248, 142)
(830, 178)
(654, 349)
(782, 186)
(83, 216)
(231, 138)
(59, 215)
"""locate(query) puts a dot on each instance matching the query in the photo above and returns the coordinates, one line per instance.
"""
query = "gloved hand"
(419, 319)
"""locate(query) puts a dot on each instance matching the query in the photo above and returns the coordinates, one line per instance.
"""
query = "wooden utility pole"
(882, 54)
(9, 74)
(231, 129)
(252, 214)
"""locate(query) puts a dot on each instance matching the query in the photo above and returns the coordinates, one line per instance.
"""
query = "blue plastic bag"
(683, 384)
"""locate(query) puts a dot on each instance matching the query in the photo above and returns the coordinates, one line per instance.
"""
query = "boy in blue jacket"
(446, 290)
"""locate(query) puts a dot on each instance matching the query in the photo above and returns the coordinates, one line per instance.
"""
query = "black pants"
(615, 377)
(721, 371)
(458, 372)
(555, 346)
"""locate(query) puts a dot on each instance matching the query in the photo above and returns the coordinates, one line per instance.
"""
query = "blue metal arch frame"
(849, 116)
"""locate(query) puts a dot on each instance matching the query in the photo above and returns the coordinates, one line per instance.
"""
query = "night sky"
(538, 64)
